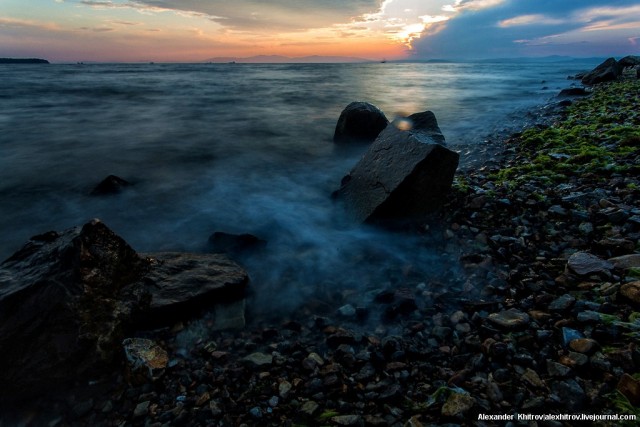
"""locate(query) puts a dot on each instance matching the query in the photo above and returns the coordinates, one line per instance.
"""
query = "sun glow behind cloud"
(195, 30)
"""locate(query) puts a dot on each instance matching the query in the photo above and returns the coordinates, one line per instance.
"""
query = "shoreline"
(531, 333)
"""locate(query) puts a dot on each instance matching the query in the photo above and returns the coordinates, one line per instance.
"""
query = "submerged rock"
(608, 71)
(234, 244)
(110, 185)
(405, 174)
(359, 121)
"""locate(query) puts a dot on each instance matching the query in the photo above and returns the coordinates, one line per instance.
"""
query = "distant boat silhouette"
(384, 61)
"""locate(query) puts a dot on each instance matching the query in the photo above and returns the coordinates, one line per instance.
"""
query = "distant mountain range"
(278, 59)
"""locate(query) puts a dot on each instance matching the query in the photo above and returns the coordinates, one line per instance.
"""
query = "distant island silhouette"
(23, 61)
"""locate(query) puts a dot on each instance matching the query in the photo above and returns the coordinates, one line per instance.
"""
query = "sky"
(198, 30)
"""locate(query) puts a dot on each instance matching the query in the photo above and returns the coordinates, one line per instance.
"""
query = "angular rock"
(629, 61)
(404, 175)
(609, 70)
(65, 299)
(347, 420)
(458, 404)
(110, 185)
(583, 263)
(182, 284)
(359, 121)
(630, 388)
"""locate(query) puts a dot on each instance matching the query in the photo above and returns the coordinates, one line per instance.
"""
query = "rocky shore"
(540, 318)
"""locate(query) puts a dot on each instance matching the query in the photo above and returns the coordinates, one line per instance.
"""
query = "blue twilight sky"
(196, 30)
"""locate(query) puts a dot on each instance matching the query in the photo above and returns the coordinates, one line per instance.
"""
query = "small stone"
(510, 319)
(562, 303)
(557, 210)
(586, 228)
(273, 402)
(631, 291)
(599, 361)
(570, 393)
(259, 359)
(458, 404)
(588, 316)
(630, 387)
(309, 408)
(583, 345)
(569, 335)
(583, 263)
(413, 422)
(346, 420)
(203, 398)
(215, 409)
(531, 377)
(558, 370)
(573, 359)
(255, 412)
(347, 310)
(284, 388)
(145, 357)
(142, 409)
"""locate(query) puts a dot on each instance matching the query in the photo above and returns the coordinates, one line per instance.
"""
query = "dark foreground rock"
(359, 121)
(64, 300)
(68, 299)
(608, 71)
(629, 61)
(404, 175)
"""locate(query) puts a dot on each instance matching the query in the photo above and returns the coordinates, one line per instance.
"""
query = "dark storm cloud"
(521, 27)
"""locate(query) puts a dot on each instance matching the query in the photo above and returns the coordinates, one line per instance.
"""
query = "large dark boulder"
(65, 300)
(359, 121)
(608, 71)
(68, 299)
(406, 173)
(629, 61)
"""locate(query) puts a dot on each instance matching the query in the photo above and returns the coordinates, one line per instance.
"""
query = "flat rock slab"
(181, 284)
(405, 174)
(626, 262)
(584, 263)
(510, 319)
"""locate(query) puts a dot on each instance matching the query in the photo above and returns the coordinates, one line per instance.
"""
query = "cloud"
(266, 16)
(486, 28)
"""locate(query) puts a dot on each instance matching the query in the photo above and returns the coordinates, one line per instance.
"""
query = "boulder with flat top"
(406, 173)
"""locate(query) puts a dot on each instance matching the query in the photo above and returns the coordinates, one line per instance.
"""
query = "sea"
(240, 148)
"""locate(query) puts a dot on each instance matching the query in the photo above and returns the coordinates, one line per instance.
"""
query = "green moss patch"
(599, 135)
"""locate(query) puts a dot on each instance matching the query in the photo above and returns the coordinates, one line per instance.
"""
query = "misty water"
(239, 148)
